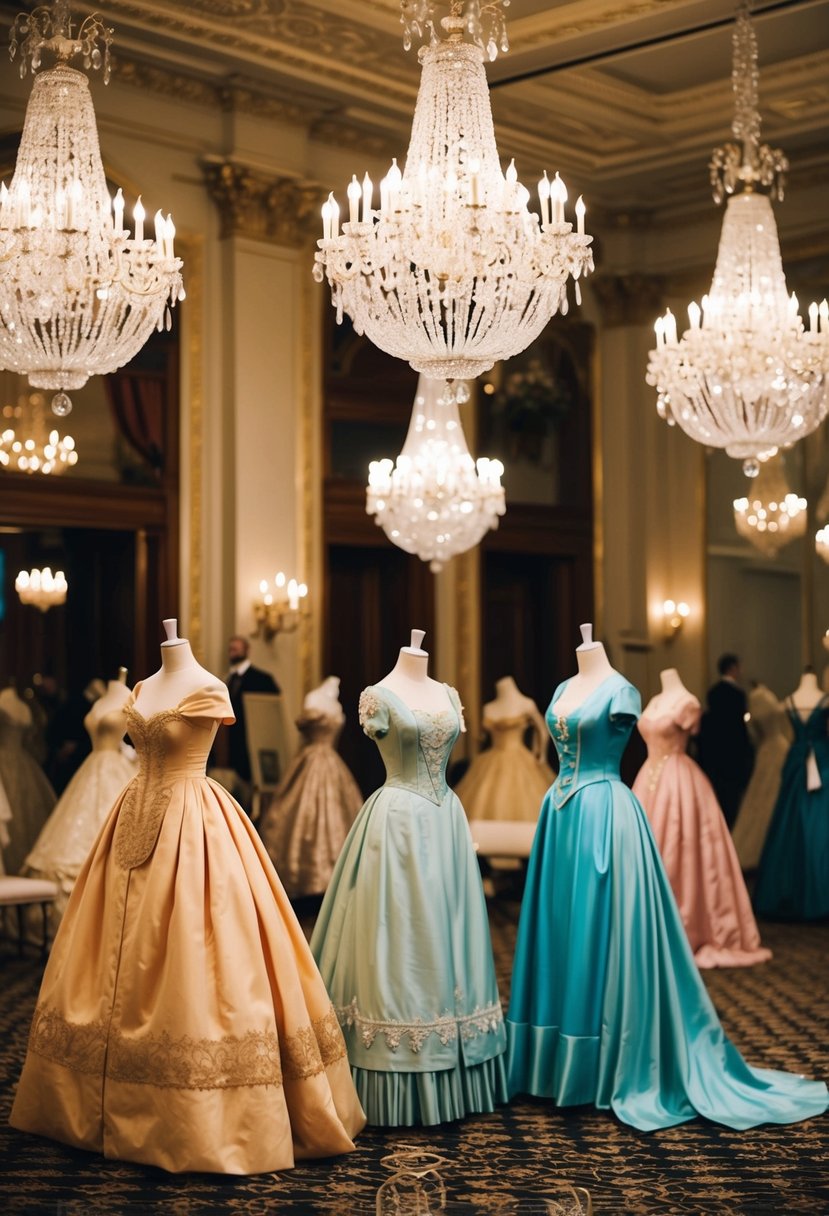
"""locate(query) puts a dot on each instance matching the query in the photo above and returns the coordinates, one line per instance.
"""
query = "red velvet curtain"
(137, 400)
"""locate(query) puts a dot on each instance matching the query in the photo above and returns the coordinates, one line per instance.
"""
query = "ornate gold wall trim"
(192, 252)
(310, 465)
(279, 210)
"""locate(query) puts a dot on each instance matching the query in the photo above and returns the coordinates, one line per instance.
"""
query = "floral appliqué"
(368, 705)
(446, 1027)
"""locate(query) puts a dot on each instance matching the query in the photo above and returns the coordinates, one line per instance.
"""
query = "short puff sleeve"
(689, 715)
(625, 704)
(210, 702)
(374, 714)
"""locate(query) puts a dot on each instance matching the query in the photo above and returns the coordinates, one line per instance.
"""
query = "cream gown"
(71, 829)
(772, 735)
(311, 814)
(182, 1021)
(28, 792)
(505, 782)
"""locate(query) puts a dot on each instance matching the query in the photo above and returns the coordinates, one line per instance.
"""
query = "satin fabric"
(506, 782)
(607, 1004)
(696, 847)
(308, 819)
(402, 940)
(28, 793)
(181, 1021)
(793, 879)
(772, 734)
(70, 831)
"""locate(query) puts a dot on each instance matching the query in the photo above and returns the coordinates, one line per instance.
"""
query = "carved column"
(280, 210)
(629, 299)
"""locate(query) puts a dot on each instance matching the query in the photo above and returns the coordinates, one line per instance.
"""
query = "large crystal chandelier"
(772, 515)
(79, 296)
(452, 272)
(27, 446)
(745, 376)
(435, 500)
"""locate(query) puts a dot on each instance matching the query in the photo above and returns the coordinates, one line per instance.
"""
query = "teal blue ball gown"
(607, 1005)
(793, 881)
(402, 939)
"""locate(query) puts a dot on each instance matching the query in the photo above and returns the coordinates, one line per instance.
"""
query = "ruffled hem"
(409, 1099)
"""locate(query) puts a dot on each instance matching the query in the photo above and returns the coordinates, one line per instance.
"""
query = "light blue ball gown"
(793, 882)
(402, 939)
(607, 1005)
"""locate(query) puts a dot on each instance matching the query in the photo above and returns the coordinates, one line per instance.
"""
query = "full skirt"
(759, 800)
(607, 1004)
(701, 862)
(31, 799)
(504, 783)
(181, 1021)
(793, 879)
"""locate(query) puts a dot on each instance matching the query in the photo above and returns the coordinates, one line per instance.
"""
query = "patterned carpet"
(503, 1164)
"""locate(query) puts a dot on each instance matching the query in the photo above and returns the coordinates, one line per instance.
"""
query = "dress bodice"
(414, 744)
(507, 733)
(591, 738)
(667, 734)
(11, 731)
(318, 728)
(106, 730)
(768, 718)
(810, 732)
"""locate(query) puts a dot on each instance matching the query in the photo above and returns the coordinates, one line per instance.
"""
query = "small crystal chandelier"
(746, 376)
(25, 444)
(435, 500)
(453, 272)
(79, 296)
(773, 516)
(41, 588)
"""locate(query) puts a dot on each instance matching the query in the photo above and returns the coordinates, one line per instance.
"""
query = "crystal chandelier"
(772, 516)
(41, 588)
(25, 444)
(453, 272)
(745, 376)
(79, 296)
(435, 500)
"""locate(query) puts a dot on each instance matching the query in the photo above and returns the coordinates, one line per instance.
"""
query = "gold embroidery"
(79, 1046)
(146, 799)
(165, 1062)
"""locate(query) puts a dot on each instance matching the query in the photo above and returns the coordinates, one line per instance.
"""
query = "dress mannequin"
(178, 676)
(409, 679)
(326, 699)
(510, 702)
(15, 708)
(673, 692)
(594, 669)
(772, 735)
(807, 694)
(116, 696)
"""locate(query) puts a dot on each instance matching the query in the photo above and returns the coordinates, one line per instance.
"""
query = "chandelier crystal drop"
(772, 515)
(746, 375)
(41, 588)
(79, 294)
(27, 445)
(436, 501)
(453, 272)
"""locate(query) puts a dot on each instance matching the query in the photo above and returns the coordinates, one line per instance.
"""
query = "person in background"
(725, 752)
(241, 678)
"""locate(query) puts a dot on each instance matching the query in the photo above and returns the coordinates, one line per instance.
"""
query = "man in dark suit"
(243, 677)
(725, 751)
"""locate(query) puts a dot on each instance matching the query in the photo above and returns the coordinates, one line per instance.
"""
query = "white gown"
(72, 828)
(27, 791)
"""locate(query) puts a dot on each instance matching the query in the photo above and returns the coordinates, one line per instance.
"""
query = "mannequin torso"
(15, 709)
(409, 679)
(178, 676)
(511, 703)
(115, 697)
(807, 694)
(667, 702)
(326, 699)
(594, 669)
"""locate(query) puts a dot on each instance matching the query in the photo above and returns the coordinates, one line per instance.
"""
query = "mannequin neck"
(176, 657)
(671, 682)
(411, 666)
(808, 683)
(593, 662)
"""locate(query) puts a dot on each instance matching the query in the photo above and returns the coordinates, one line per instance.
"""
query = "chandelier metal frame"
(79, 295)
(745, 376)
(453, 272)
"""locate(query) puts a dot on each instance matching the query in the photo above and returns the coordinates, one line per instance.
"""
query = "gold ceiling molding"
(348, 133)
(628, 299)
(281, 210)
(555, 25)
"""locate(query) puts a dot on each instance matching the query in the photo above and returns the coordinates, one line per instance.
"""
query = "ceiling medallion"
(79, 295)
(452, 272)
(745, 376)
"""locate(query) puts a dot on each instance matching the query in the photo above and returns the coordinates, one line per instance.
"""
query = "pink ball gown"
(693, 838)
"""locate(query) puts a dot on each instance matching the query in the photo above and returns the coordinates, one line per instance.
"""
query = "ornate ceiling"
(629, 99)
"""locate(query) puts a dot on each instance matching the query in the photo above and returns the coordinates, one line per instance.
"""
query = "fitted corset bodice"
(590, 739)
(318, 728)
(106, 730)
(663, 736)
(507, 733)
(414, 744)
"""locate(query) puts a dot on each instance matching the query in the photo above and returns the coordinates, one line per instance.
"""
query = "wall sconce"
(822, 542)
(278, 611)
(673, 617)
(41, 588)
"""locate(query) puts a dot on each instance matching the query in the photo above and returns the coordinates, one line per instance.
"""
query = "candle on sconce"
(581, 211)
(510, 178)
(138, 214)
(160, 232)
(659, 330)
(326, 220)
(558, 197)
(394, 180)
(368, 190)
(544, 198)
(280, 579)
(813, 315)
(335, 217)
(293, 595)
(118, 210)
(694, 314)
(823, 313)
(670, 328)
(355, 193)
(170, 238)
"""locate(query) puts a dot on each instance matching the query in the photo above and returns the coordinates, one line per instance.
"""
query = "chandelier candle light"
(746, 376)
(772, 515)
(452, 272)
(822, 550)
(25, 444)
(41, 588)
(435, 501)
(79, 294)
